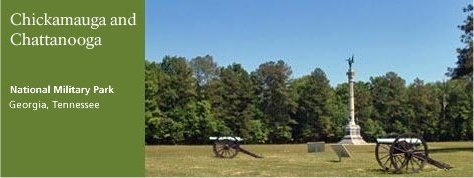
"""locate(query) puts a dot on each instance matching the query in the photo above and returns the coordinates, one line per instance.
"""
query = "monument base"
(352, 136)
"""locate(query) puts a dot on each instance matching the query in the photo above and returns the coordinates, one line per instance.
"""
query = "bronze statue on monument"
(350, 61)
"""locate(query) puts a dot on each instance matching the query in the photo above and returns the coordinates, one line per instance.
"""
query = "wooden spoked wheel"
(382, 155)
(226, 148)
(408, 153)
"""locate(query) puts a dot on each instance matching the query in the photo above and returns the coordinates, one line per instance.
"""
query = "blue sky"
(412, 38)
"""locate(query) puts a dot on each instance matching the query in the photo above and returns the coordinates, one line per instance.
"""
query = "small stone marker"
(341, 151)
(315, 147)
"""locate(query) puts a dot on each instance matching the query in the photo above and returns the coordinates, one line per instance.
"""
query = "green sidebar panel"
(72, 92)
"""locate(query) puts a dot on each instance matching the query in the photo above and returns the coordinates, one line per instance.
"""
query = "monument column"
(352, 130)
(350, 75)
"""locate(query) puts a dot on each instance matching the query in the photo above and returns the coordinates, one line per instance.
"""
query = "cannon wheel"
(408, 153)
(382, 154)
(383, 157)
(226, 148)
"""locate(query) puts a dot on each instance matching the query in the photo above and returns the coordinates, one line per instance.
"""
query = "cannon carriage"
(406, 153)
(229, 147)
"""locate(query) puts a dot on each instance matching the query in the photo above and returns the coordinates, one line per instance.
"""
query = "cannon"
(404, 153)
(229, 147)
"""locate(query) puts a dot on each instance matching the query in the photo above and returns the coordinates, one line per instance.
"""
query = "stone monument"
(352, 130)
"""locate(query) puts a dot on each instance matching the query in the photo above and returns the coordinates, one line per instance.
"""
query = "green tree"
(316, 101)
(199, 123)
(425, 109)
(389, 100)
(340, 112)
(272, 80)
(151, 106)
(158, 127)
(458, 110)
(234, 101)
(204, 70)
(463, 67)
(179, 87)
(297, 86)
(169, 89)
(164, 130)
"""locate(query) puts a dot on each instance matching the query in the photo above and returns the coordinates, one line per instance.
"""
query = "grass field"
(293, 160)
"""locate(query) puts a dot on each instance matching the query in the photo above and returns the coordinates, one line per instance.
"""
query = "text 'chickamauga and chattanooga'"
(19, 19)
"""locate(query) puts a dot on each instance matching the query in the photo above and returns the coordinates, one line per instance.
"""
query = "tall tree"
(297, 86)
(151, 106)
(158, 127)
(389, 99)
(169, 90)
(272, 80)
(204, 70)
(463, 67)
(179, 88)
(152, 75)
(458, 110)
(234, 101)
(425, 109)
(340, 112)
(316, 101)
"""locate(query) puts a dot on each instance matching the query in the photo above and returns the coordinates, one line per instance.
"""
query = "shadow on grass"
(380, 171)
(446, 150)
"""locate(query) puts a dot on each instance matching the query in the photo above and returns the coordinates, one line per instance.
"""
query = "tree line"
(186, 101)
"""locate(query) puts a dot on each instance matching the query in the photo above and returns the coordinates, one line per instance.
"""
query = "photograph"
(308, 88)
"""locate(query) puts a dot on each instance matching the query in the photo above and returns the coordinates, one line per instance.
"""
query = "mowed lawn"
(293, 160)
